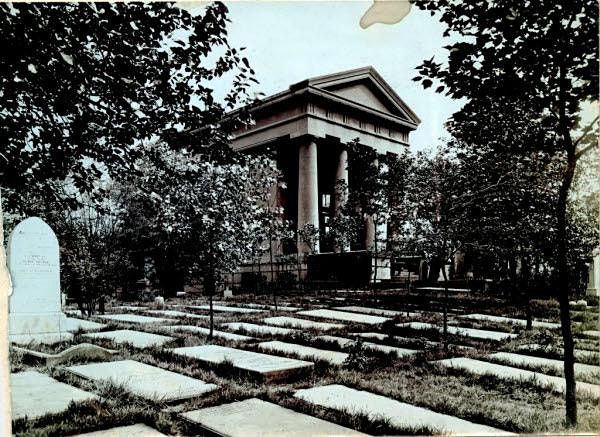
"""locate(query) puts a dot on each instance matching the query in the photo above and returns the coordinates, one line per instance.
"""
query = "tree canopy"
(90, 81)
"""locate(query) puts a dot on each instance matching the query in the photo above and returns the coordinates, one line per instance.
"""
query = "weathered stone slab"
(305, 352)
(143, 380)
(85, 351)
(34, 394)
(137, 430)
(258, 329)
(344, 316)
(129, 308)
(510, 320)
(35, 305)
(84, 325)
(270, 367)
(73, 313)
(226, 309)
(205, 331)
(341, 341)
(380, 336)
(468, 332)
(134, 318)
(136, 338)
(173, 313)
(367, 310)
(438, 289)
(267, 419)
(346, 342)
(482, 367)
(301, 323)
(592, 333)
(579, 353)
(527, 360)
(272, 307)
(399, 414)
(377, 335)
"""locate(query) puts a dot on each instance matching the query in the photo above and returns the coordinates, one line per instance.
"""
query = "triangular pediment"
(367, 88)
(362, 94)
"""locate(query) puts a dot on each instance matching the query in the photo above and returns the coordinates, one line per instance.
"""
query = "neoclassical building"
(308, 126)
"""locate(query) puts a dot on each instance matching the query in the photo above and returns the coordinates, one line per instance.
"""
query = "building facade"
(308, 127)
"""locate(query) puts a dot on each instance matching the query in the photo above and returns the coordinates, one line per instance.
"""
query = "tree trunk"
(209, 287)
(445, 333)
(563, 290)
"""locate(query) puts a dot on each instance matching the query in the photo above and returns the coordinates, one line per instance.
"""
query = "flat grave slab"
(341, 341)
(259, 329)
(129, 308)
(376, 335)
(344, 316)
(134, 318)
(143, 380)
(454, 290)
(270, 367)
(136, 338)
(346, 342)
(267, 420)
(226, 309)
(592, 333)
(137, 430)
(173, 313)
(34, 394)
(205, 331)
(380, 336)
(272, 307)
(73, 313)
(468, 332)
(579, 353)
(367, 310)
(84, 325)
(482, 367)
(300, 323)
(304, 352)
(510, 320)
(399, 414)
(527, 360)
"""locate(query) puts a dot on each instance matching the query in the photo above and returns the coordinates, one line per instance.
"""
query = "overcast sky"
(291, 41)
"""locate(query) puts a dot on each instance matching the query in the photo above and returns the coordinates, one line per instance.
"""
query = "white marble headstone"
(35, 303)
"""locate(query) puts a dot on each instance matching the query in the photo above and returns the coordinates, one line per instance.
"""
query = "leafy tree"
(434, 224)
(89, 81)
(211, 210)
(368, 200)
(543, 54)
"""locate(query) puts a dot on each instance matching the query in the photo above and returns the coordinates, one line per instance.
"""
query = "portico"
(308, 127)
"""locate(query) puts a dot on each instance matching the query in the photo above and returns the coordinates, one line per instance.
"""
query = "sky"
(290, 41)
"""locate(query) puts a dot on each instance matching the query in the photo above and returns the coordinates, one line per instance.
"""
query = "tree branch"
(583, 135)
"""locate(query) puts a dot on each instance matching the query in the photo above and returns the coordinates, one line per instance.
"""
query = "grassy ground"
(517, 406)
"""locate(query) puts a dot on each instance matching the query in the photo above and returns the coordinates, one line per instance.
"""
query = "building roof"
(370, 93)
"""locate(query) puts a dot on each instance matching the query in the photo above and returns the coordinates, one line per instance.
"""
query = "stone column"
(593, 288)
(340, 197)
(308, 191)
